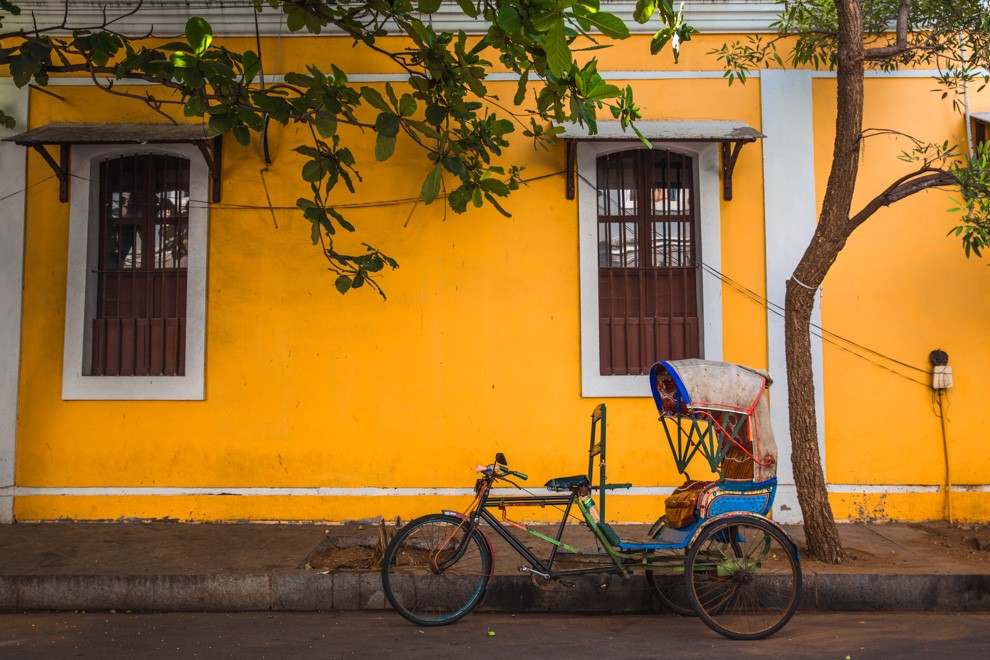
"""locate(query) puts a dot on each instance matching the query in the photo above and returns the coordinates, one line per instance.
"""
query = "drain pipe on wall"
(966, 115)
(941, 384)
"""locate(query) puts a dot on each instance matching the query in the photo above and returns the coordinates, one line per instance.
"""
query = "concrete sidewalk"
(239, 567)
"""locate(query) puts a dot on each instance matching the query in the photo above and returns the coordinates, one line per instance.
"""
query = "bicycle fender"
(478, 530)
(739, 514)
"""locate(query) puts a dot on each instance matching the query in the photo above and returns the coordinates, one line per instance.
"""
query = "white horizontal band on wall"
(513, 77)
(662, 491)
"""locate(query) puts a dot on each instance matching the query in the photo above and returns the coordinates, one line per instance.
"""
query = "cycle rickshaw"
(714, 553)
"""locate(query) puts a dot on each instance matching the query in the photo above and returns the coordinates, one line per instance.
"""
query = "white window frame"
(708, 212)
(81, 284)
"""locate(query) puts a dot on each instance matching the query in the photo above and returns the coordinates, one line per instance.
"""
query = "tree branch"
(907, 185)
(900, 42)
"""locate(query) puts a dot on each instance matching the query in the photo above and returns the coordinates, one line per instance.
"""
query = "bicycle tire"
(743, 577)
(433, 573)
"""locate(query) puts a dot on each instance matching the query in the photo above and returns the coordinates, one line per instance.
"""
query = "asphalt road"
(385, 635)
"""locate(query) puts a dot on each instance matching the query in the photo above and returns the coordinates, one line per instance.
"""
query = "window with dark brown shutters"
(140, 323)
(647, 265)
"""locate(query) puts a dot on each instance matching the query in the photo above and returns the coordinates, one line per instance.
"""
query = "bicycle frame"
(619, 561)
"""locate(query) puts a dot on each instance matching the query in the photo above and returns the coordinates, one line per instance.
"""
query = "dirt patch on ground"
(920, 547)
(971, 541)
(364, 552)
(880, 548)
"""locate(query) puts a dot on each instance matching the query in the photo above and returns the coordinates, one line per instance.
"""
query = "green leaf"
(428, 6)
(252, 119)
(252, 66)
(609, 25)
(435, 114)
(644, 10)
(343, 284)
(431, 185)
(183, 60)
(313, 171)
(199, 34)
(467, 6)
(521, 89)
(295, 18)
(508, 19)
(340, 219)
(454, 165)
(407, 105)
(555, 45)
(374, 99)
(221, 123)
(193, 106)
(387, 123)
(384, 147)
(242, 135)
(326, 124)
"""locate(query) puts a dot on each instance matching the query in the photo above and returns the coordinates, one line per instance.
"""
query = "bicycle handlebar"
(499, 471)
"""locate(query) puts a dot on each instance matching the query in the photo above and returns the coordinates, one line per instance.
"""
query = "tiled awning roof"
(701, 130)
(102, 133)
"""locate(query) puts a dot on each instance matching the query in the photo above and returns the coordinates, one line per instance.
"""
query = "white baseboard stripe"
(319, 491)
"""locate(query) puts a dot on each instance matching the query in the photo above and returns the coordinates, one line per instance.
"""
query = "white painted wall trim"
(706, 162)
(237, 17)
(613, 75)
(325, 491)
(13, 179)
(791, 216)
(80, 298)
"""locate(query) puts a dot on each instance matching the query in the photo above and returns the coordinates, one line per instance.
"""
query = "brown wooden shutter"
(140, 323)
(647, 268)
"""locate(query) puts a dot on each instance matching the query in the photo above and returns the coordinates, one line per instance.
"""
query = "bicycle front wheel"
(669, 589)
(436, 570)
(743, 577)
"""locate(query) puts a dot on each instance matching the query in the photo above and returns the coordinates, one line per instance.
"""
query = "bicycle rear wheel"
(435, 570)
(743, 577)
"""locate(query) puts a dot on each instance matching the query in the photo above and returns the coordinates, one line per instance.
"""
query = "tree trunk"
(829, 238)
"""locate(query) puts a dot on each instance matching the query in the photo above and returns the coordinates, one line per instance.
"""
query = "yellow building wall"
(477, 348)
(902, 288)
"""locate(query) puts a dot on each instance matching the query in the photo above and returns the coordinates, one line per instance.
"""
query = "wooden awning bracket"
(214, 161)
(730, 152)
(61, 168)
(571, 167)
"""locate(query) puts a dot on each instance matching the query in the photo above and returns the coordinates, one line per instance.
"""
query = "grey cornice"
(167, 18)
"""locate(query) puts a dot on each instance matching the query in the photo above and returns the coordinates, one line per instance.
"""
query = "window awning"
(981, 126)
(66, 134)
(730, 134)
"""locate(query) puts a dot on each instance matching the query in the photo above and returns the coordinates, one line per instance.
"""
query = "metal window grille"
(140, 323)
(647, 270)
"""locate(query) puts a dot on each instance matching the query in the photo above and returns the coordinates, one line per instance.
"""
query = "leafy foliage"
(973, 175)
(445, 107)
(952, 37)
